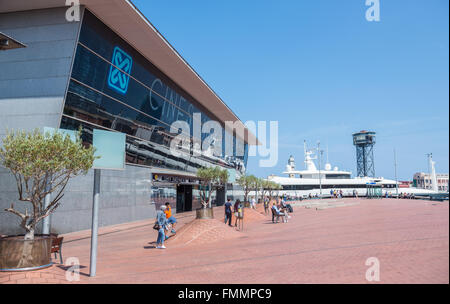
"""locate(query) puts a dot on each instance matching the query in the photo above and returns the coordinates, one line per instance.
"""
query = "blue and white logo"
(120, 70)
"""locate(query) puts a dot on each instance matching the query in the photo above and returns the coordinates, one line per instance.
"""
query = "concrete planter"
(17, 254)
(204, 213)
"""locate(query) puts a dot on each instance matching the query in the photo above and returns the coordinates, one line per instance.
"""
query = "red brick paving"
(410, 238)
(51, 275)
(202, 231)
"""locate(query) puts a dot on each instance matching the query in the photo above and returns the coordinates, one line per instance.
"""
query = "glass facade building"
(113, 87)
(110, 69)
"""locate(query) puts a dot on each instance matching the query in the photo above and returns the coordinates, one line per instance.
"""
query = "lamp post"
(320, 152)
(395, 166)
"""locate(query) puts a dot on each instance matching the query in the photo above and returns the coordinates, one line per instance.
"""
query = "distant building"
(423, 181)
(405, 184)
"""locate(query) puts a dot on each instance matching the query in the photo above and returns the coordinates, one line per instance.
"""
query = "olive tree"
(209, 178)
(265, 184)
(259, 186)
(272, 187)
(42, 163)
(247, 182)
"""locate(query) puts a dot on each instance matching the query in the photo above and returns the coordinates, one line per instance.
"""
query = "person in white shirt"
(253, 203)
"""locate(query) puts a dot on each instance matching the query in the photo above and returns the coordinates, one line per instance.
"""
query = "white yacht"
(313, 182)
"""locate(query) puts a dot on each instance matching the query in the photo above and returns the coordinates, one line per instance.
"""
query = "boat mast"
(304, 151)
(319, 152)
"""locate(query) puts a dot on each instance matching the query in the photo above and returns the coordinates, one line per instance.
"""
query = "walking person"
(275, 209)
(228, 212)
(253, 202)
(237, 206)
(266, 205)
(161, 221)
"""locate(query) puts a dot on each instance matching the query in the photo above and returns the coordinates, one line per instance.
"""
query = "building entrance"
(184, 198)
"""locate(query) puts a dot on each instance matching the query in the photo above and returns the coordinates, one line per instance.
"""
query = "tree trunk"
(29, 235)
(27, 257)
(209, 196)
(204, 199)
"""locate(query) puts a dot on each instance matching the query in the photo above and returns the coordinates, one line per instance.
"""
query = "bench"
(274, 215)
(57, 246)
(277, 216)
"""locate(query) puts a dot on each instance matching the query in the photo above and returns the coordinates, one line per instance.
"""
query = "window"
(144, 109)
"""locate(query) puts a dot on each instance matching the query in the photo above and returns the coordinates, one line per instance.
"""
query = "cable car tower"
(364, 142)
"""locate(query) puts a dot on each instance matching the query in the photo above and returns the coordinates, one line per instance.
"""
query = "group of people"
(230, 208)
(311, 195)
(165, 221)
(281, 209)
(407, 195)
(336, 193)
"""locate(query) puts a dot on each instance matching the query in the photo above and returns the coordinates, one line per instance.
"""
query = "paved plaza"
(326, 241)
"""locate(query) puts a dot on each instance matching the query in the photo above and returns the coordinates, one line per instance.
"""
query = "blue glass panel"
(72, 134)
(110, 146)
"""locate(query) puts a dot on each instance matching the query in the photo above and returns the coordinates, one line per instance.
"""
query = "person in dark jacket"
(228, 212)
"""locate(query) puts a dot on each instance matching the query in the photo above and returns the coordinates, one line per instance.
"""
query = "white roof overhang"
(129, 23)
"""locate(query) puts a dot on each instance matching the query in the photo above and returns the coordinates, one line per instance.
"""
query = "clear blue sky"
(324, 72)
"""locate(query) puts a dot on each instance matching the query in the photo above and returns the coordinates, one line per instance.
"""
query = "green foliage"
(250, 182)
(272, 187)
(37, 160)
(265, 184)
(209, 178)
(247, 182)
